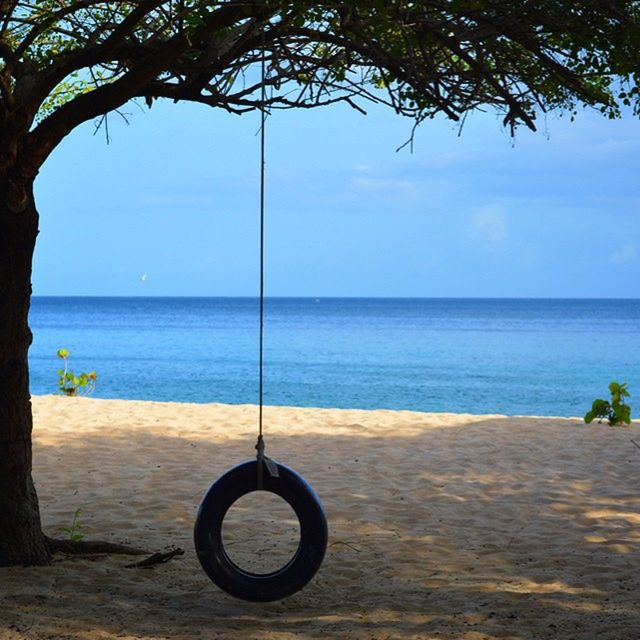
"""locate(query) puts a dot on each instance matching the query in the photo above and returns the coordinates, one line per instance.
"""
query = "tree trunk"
(21, 539)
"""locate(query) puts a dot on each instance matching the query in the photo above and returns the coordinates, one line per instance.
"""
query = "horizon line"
(327, 297)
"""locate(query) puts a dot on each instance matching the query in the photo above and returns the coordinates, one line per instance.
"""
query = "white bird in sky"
(143, 277)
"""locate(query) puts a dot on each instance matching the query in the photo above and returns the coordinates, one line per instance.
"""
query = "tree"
(65, 62)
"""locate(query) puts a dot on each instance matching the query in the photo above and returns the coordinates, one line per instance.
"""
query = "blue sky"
(175, 197)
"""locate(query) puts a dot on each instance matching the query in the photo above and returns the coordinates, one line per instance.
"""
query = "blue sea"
(510, 356)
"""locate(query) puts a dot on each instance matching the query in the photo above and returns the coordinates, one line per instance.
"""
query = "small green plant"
(73, 531)
(69, 383)
(615, 412)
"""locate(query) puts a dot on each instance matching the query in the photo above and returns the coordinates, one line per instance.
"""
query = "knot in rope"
(263, 461)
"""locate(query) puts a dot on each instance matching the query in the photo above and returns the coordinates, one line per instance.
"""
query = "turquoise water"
(543, 357)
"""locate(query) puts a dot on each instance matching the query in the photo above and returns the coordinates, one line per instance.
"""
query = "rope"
(263, 119)
(262, 459)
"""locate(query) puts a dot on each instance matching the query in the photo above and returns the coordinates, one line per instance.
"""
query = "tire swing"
(262, 474)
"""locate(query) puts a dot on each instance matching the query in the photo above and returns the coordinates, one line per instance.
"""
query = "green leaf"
(600, 408)
(616, 412)
(625, 414)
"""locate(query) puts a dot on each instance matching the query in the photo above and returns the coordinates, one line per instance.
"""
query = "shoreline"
(441, 526)
(316, 408)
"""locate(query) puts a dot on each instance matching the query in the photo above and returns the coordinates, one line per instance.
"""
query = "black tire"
(237, 582)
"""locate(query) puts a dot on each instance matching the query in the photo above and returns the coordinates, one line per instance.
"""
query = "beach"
(441, 525)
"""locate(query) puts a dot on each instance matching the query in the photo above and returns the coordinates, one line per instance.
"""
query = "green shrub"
(73, 531)
(615, 412)
(69, 383)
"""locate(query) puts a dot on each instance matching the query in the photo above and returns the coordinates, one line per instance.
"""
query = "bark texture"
(21, 537)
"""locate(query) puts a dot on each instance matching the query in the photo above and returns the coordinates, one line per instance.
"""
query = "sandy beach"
(440, 525)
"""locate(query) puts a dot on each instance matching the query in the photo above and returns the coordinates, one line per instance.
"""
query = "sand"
(440, 525)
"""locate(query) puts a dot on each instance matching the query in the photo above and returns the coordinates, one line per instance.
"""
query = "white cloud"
(529, 256)
(175, 200)
(445, 160)
(626, 253)
(386, 186)
(489, 227)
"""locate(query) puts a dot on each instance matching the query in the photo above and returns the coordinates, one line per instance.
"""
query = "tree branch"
(42, 26)
(151, 64)
(419, 58)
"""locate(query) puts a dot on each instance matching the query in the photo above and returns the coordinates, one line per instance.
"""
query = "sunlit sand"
(440, 525)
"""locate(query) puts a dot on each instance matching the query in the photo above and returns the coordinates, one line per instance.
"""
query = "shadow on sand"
(464, 533)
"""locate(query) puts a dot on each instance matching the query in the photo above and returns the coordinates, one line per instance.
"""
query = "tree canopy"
(65, 62)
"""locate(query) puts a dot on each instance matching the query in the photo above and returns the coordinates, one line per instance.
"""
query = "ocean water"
(542, 357)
